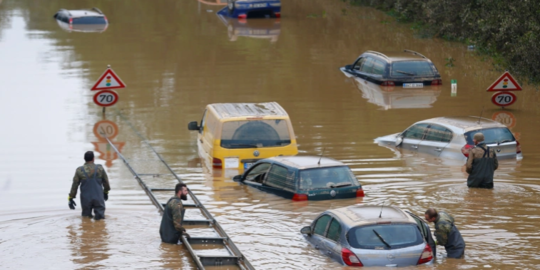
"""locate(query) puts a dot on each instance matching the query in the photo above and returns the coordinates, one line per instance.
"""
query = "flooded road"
(178, 56)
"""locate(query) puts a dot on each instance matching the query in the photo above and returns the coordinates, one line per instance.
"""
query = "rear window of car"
(395, 235)
(89, 20)
(491, 135)
(411, 68)
(255, 134)
(327, 177)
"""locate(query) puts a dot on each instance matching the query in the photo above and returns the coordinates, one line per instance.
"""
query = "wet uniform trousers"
(449, 236)
(171, 222)
(481, 166)
(94, 182)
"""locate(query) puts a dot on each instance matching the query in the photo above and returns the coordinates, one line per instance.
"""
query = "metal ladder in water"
(235, 256)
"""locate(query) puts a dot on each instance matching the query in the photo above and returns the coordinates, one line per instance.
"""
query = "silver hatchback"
(451, 137)
(369, 235)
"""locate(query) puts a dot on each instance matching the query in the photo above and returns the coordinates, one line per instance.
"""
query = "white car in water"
(452, 137)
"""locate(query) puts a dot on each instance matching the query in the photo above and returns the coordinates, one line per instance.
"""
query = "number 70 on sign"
(105, 98)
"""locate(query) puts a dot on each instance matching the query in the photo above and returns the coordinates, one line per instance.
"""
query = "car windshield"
(327, 177)
(491, 135)
(385, 236)
(412, 68)
(255, 134)
(90, 20)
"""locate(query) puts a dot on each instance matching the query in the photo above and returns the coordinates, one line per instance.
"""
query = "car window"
(378, 67)
(396, 235)
(492, 135)
(256, 173)
(438, 134)
(203, 121)
(280, 177)
(255, 134)
(90, 20)
(367, 67)
(334, 231)
(359, 63)
(320, 226)
(416, 132)
(327, 177)
(411, 68)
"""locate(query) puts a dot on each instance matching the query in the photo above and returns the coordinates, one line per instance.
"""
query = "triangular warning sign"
(109, 80)
(504, 83)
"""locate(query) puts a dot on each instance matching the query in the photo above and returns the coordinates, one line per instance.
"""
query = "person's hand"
(184, 233)
(106, 195)
(71, 203)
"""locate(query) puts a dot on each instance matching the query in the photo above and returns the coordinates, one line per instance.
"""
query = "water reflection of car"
(303, 178)
(391, 97)
(408, 69)
(369, 235)
(451, 137)
(82, 20)
(264, 29)
(246, 9)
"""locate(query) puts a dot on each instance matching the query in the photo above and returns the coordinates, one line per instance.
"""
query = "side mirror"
(237, 178)
(306, 230)
(193, 126)
(399, 139)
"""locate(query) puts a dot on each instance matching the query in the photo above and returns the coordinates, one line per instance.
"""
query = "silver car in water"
(372, 235)
(452, 137)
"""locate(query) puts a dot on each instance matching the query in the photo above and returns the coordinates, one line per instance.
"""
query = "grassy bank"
(508, 31)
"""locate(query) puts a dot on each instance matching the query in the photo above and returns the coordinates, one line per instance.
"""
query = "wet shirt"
(176, 206)
(478, 152)
(171, 222)
(449, 236)
(89, 167)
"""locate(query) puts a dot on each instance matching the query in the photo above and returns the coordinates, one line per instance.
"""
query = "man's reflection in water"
(175, 256)
(89, 240)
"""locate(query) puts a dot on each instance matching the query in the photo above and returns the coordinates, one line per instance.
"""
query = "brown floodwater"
(178, 56)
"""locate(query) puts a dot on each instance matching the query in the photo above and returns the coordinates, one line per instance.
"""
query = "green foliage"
(449, 61)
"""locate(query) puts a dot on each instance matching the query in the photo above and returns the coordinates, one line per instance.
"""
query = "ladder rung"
(196, 222)
(153, 174)
(162, 189)
(206, 240)
(208, 260)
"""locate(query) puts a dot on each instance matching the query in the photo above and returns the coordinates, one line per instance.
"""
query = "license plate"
(247, 165)
(413, 85)
(231, 162)
(259, 5)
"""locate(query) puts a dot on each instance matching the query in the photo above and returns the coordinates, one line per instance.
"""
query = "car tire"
(230, 6)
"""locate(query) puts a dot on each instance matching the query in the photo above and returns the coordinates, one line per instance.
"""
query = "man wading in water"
(94, 188)
(173, 215)
(481, 164)
(446, 233)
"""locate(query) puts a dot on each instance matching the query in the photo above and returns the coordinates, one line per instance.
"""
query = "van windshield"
(255, 134)
(385, 236)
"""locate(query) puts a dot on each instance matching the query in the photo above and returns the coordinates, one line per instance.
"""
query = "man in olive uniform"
(94, 188)
(171, 223)
(446, 233)
(481, 164)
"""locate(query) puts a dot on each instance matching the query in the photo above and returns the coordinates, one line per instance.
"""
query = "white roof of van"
(227, 110)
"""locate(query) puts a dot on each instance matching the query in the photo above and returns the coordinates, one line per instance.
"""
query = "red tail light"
(278, 15)
(518, 147)
(70, 20)
(388, 83)
(436, 82)
(349, 258)
(242, 16)
(299, 197)
(466, 148)
(360, 192)
(427, 255)
(105, 18)
(216, 163)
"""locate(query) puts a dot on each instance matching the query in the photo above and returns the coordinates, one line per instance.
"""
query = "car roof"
(467, 123)
(229, 110)
(357, 215)
(307, 162)
(405, 55)
(84, 13)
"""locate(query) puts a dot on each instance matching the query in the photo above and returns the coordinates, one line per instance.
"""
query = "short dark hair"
(179, 187)
(432, 213)
(88, 156)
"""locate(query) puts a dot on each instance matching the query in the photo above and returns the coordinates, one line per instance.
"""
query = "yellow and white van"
(235, 135)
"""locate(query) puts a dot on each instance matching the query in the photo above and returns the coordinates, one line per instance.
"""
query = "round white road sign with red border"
(105, 98)
(503, 99)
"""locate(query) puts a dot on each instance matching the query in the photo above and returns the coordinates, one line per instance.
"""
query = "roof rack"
(379, 54)
(97, 10)
(413, 52)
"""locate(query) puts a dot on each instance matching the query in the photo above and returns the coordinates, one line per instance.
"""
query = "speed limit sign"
(503, 99)
(105, 98)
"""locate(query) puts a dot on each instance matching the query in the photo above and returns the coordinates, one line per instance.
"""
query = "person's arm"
(496, 161)
(469, 162)
(442, 230)
(74, 185)
(106, 186)
(177, 215)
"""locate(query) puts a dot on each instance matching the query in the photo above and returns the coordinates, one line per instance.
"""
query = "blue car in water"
(245, 9)
(303, 178)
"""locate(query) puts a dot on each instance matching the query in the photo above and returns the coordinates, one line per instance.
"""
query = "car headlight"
(275, 4)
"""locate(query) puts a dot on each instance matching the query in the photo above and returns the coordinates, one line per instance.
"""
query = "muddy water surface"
(178, 56)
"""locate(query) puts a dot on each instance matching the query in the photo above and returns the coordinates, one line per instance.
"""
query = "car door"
(331, 240)
(413, 136)
(280, 180)
(436, 139)
(355, 68)
(319, 232)
(256, 174)
(425, 230)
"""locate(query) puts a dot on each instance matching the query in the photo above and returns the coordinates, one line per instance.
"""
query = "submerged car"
(82, 20)
(260, 29)
(372, 235)
(303, 178)
(408, 69)
(452, 137)
(246, 9)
